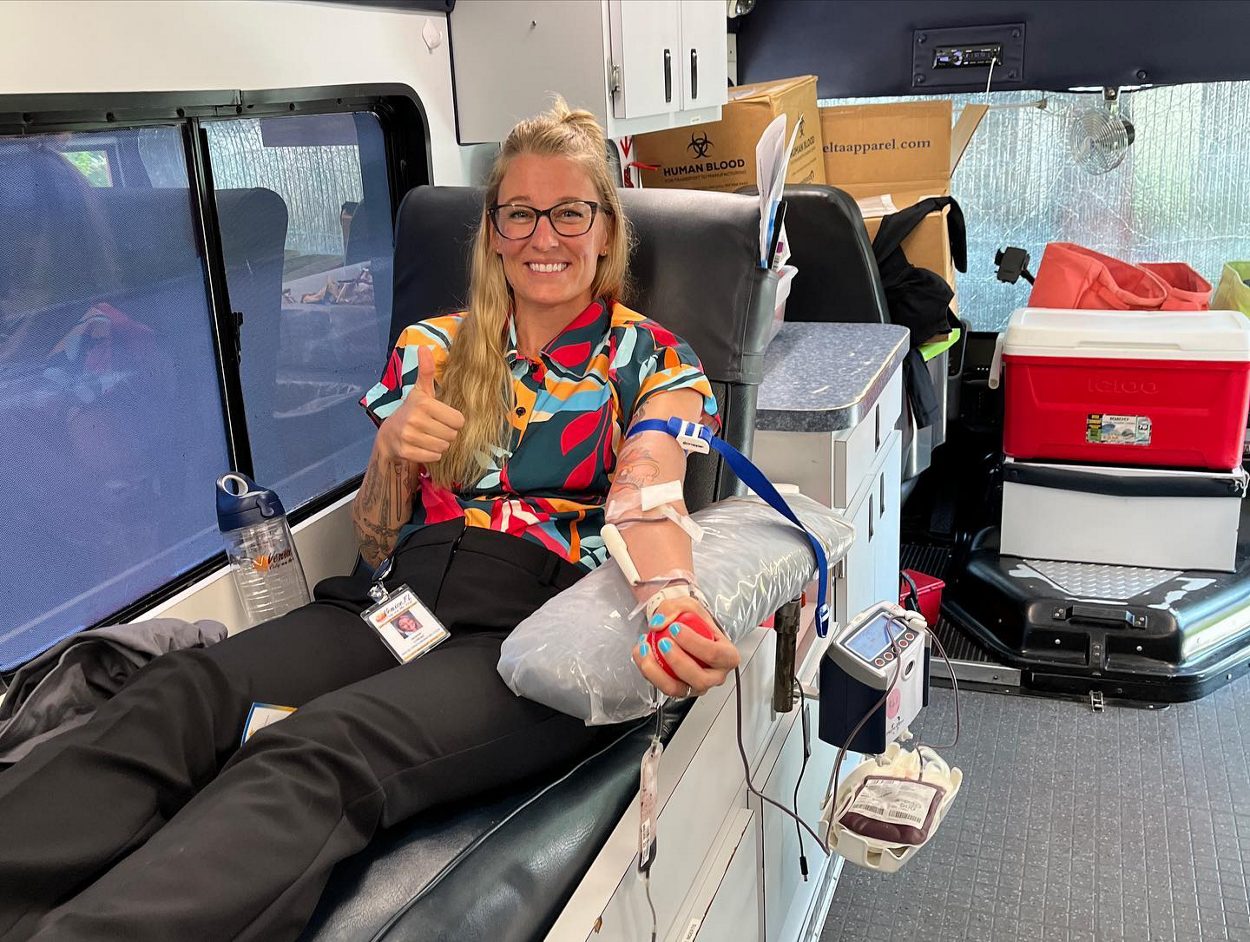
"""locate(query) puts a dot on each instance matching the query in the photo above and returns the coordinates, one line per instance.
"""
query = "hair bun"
(581, 119)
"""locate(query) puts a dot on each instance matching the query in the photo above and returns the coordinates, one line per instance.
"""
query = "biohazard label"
(1105, 429)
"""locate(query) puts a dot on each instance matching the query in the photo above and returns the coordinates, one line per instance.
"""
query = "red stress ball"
(686, 620)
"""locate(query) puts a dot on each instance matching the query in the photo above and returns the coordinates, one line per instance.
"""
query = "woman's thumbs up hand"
(422, 428)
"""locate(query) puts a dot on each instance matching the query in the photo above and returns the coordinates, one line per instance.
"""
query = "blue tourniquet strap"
(753, 478)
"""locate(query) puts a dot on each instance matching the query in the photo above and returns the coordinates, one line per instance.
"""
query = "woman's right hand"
(422, 428)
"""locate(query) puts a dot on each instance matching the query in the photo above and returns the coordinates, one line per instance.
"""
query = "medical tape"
(673, 585)
(623, 507)
(662, 497)
(667, 514)
(651, 504)
(692, 529)
(675, 591)
(657, 495)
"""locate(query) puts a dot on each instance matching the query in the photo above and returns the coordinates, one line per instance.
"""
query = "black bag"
(917, 298)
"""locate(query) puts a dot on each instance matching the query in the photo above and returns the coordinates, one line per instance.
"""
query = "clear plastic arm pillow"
(573, 654)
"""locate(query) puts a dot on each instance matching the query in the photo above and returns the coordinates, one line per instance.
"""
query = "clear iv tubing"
(954, 686)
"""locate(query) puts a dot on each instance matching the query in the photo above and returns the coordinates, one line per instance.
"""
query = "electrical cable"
(746, 768)
(954, 686)
(807, 752)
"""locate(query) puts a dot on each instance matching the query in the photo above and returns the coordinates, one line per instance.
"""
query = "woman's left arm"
(658, 547)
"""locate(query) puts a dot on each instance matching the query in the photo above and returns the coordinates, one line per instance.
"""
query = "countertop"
(826, 377)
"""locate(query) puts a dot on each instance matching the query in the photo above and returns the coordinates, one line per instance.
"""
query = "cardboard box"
(890, 156)
(720, 155)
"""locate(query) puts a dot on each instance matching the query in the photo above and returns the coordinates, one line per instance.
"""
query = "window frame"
(405, 129)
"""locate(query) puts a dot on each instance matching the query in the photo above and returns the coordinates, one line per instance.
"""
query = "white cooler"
(1122, 516)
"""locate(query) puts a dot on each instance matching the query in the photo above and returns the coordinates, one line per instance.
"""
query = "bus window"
(308, 197)
(110, 411)
(92, 164)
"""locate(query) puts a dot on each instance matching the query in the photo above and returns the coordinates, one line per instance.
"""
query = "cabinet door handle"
(871, 528)
(668, 75)
(694, 73)
(881, 485)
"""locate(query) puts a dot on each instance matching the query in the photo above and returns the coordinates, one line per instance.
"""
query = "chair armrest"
(573, 654)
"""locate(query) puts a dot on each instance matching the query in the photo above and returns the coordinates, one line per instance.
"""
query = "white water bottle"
(267, 570)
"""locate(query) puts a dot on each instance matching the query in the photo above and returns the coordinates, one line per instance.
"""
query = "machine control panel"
(881, 634)
(871, 642)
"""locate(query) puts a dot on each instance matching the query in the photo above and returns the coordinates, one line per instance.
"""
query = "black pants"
(150, 823)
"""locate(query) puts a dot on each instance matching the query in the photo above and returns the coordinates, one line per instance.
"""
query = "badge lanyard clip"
(377, 591)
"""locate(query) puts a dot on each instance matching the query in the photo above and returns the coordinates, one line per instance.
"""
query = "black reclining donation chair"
(838, 282)
(502, 868)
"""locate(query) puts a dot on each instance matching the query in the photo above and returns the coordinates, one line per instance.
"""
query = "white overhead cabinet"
(637, 65)
(704, 55)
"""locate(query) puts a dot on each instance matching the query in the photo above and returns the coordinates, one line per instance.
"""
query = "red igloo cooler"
(1125, 387)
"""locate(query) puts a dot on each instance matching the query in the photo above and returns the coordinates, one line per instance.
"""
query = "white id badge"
(405, 626)
(262, 715)
(648, 791)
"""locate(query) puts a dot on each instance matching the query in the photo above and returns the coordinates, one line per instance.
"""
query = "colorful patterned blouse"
(573, 407)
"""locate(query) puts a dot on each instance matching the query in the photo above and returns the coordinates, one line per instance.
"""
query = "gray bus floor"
(1121, 826)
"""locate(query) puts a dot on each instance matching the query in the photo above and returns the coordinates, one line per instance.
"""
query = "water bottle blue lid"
(241, 503)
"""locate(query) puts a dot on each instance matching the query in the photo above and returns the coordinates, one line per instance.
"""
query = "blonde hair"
(476, 379)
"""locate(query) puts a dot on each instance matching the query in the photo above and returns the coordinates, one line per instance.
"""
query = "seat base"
(500, 868)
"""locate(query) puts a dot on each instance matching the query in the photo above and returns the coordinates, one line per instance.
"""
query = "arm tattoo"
(381, 508)
(637, 466)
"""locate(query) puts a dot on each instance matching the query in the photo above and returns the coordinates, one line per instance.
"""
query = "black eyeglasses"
(518, 221)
